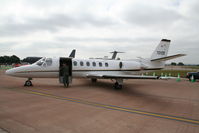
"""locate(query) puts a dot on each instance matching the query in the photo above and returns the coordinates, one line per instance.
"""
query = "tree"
(180, 64)
(2, 60)
(173, 64)
(9, 59)
(31, 59)
(14, 59)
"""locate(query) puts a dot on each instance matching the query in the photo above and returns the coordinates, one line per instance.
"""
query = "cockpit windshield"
(41, 61)
(44, 62)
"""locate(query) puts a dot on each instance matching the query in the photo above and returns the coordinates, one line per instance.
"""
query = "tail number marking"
(161, 52)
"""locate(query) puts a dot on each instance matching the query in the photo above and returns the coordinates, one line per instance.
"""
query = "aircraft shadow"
(129, 90)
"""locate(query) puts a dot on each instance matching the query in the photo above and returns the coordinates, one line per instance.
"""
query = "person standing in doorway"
(65, 71)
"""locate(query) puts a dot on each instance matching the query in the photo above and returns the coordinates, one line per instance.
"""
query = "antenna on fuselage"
(115, 54)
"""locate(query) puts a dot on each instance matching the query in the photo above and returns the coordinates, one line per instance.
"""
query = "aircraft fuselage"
(82, 68)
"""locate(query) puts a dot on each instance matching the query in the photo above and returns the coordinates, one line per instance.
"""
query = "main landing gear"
(118, 84)
(93, 80)
(28, 82)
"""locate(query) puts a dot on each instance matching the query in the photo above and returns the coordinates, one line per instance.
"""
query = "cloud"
(54, 28)
(151, 15)
(52, 23)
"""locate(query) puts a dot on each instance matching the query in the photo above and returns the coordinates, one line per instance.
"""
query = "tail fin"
(115, 54)
(161, 50)
(72, 54)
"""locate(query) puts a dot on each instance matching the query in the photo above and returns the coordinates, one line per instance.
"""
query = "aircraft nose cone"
(9, 72)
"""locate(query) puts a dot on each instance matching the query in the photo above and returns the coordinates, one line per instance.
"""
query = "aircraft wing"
(114, 76)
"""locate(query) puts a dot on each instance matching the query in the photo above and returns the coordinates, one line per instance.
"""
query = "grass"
(192, 67)
(5, 67)
(174, 73)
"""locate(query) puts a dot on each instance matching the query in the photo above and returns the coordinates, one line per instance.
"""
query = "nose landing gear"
(28, 82)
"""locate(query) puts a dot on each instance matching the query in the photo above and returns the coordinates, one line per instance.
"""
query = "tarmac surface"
(154, 106)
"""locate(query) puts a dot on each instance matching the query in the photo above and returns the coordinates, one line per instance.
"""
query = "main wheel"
(93, 80)
(120, 87)
(117, 86)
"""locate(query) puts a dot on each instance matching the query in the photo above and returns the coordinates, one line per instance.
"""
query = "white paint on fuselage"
(112, 68)
(52, 71)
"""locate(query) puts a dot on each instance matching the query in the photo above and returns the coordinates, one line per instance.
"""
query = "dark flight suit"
(66, 75)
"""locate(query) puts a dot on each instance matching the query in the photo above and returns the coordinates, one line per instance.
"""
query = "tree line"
(177, 64)
(8, 60)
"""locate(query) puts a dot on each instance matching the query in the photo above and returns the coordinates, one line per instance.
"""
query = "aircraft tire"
(93, 80)
(28, 83)
(120, 87)
(117, 86)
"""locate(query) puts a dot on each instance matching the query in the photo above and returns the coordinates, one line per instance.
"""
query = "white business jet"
(116, 70)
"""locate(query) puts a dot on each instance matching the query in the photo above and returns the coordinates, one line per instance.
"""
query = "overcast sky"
(95, 28)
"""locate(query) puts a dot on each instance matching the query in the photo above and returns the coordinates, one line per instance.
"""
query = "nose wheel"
(28, 82)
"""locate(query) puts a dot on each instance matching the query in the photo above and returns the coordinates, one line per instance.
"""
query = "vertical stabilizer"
(161, 50)
(115, 54)
(72, 54)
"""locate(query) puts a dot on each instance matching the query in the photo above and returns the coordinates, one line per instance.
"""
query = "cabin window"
(106, 64)
(81, 63)
(75, 63)
(100, 64)
(88, 63)
(94, 64)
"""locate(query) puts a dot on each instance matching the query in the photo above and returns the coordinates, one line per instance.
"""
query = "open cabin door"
(68, 62)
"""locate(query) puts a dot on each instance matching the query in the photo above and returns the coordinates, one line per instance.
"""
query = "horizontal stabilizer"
(168, 57)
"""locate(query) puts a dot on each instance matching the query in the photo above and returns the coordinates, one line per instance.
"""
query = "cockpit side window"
(49, 61)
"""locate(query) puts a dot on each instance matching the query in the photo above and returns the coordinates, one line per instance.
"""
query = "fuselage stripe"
(92, 70)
